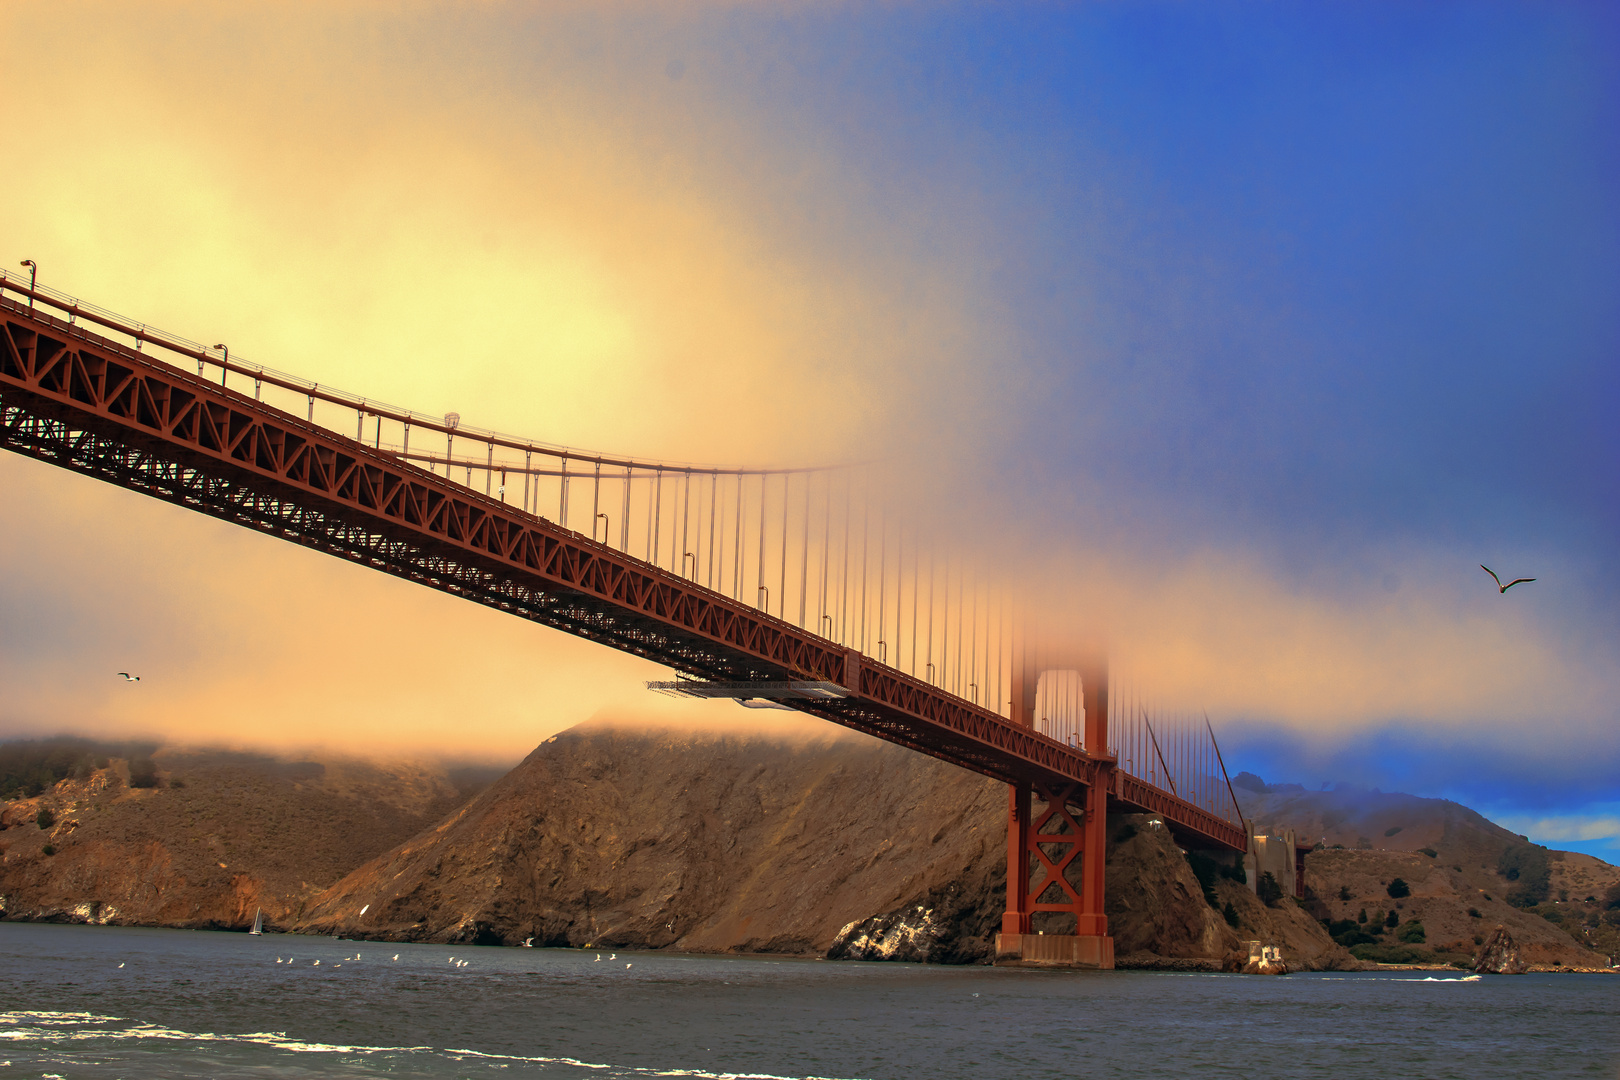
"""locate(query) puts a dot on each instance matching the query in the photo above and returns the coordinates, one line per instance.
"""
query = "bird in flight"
(1501, 588)
(130, 678)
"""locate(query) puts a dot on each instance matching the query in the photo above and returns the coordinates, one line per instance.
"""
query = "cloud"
(1244, 375)
(1566, 827)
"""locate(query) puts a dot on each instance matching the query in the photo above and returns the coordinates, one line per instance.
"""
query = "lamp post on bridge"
(452, 420)
(33, 276)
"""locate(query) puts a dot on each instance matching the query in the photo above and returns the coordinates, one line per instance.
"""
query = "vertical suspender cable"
(961, 609)
(736, 545)
(883, 582)
(973, 657)
(826, 548)
(596, 503)
(916, 583)
(714, 491)
(686, 518)
(933, 573)
(562, 495)
(647, 552)
(781, 585)
(843, 575)
(866, 544)
(657, 516)
(761, 597)
(624, 514)
(804, 563)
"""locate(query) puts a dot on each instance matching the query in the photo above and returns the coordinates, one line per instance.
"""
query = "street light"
(33, 275)
(224, 369)
(452, 420)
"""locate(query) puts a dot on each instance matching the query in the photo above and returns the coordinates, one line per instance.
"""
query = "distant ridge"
(1456, 862)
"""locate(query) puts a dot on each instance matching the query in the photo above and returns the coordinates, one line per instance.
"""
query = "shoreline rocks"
(1500, 955)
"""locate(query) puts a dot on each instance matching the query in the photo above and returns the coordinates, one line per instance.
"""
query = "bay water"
(105, 1002)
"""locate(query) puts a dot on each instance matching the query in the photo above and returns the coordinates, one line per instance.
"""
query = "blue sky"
(1252, 328)
(1326, 283)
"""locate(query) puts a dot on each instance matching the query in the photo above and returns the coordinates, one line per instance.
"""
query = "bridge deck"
(92, 405)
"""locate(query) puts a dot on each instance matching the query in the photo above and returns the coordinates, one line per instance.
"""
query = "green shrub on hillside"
(45, 818)
(1527, 865)
(1229, 913)
(1412, 933)
(1349, 934)
(1393, 831)
(1398, 889)
(1429, 851)
(1392, 920)
(1268, 890)
(143, 773)
(1392, 954)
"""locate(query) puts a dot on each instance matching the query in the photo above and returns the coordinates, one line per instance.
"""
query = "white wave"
(17, 1015)
(47, 1024)
(39, 1024)
(1398, 979)
(701, 1074)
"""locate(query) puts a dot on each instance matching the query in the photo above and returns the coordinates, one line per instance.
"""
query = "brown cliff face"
(1157, 912)
(222, 835)
(702, 842)
(840, 846)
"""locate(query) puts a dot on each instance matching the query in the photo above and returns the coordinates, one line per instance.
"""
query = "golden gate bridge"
(784, 587)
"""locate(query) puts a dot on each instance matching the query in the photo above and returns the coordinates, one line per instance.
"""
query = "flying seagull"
(1501, 588)
(130, 678)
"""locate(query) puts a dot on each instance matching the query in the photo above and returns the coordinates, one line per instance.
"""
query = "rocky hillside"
(606, 836)
(837, 845)
(829, 844)
(1398, 877)
(203, 839)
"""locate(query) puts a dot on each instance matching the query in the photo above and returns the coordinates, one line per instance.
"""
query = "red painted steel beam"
(97, 407)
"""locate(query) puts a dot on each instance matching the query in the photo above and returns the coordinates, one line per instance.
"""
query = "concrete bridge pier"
(1059, 839)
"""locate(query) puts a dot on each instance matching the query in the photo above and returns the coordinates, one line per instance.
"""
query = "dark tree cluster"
(1208, 870)
(1529, 867)
(29, 767)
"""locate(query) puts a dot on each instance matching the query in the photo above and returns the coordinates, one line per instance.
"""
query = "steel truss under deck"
(94, 406)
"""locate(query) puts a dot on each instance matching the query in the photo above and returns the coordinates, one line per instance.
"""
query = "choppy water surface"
(80, 1001)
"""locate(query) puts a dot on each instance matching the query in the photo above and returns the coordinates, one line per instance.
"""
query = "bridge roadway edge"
(64, 408)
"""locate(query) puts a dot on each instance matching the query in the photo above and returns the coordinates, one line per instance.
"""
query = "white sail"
(258, 922)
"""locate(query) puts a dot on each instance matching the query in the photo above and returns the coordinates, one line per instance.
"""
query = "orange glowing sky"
(732, 233)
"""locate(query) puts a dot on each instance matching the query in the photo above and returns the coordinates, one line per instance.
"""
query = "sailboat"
(258, 921)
